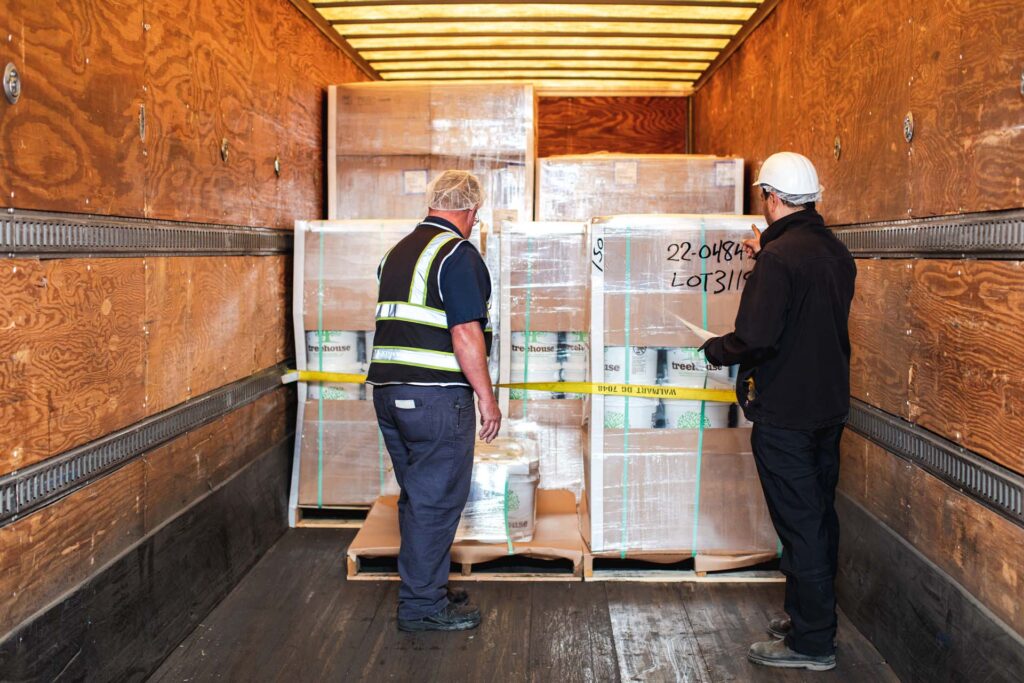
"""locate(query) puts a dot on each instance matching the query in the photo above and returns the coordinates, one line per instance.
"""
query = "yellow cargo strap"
(630, 390)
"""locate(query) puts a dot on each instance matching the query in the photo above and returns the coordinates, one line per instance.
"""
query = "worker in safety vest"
(793, 348)
(430, 354)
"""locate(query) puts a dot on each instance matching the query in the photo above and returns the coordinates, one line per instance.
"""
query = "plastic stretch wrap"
(387, 141)
(545, 276)
(580, 187)
(343, 458)
(663, 475)
(502, 503)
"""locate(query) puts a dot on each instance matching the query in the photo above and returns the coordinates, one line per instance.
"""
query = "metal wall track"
(993, 235)
(992, 485)
(63, 235)
(45, 482)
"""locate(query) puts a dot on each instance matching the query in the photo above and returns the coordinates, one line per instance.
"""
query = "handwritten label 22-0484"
(731, 274)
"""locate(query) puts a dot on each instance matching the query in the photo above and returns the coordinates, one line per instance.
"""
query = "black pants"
(429, 434)
(799, 471)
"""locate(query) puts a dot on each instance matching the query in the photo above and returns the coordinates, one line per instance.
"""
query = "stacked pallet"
(672, 479)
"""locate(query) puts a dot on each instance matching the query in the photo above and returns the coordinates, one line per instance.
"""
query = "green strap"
(526, 334)
(625, 431)
(703, 404)
(778, 547)
(320, 396)
(508, 532)
(380, 458)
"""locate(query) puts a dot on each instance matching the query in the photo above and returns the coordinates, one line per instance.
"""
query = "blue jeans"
(429, 433)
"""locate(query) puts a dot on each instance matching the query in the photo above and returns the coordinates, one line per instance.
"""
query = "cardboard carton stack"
(341, 456)
(583, 186)
(387, 141)
(668, 479)
(545, 278)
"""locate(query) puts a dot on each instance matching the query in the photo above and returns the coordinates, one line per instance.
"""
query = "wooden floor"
(295, 618)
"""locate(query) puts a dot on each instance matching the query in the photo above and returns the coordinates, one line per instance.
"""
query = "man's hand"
(490, 420)
(468, 343)
(752, 245)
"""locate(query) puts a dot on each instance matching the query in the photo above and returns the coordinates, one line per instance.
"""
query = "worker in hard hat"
(430, 352)
(792, 345)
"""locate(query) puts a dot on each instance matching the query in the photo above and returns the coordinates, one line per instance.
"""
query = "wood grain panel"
(968, 357)
(72, 143)
(185, 469)
(855, 71)
(78, 354)
(48, 552)
(977, 547)
(941, 343)
(223, 312)
(636, 125)
(880, 327)
(272, 319)
(169, 298)
(21, 284)
(172, 169)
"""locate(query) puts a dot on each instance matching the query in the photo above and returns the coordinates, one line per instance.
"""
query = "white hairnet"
(794, 199)
(455, 191)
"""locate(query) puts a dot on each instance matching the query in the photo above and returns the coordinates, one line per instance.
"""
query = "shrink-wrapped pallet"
(387, 140)
(669, 479)
(502, 504)
(583, 186)
(545, 278)
(341, 460)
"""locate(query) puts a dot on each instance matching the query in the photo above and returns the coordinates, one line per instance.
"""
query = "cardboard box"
(556, 426)
(343, 459)
(652, 492)
(386, 141)
(584, 186)
(645, 497)
(556, 536)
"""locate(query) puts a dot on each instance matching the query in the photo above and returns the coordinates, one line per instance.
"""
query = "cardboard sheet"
(556, 535)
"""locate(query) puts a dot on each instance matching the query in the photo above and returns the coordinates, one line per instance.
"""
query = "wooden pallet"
(332, 516)
(508, 568)
(672, 569)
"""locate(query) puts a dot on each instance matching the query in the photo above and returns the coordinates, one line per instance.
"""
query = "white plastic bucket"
(687, 367)
(641, 412)
(686, 415)
(338, 350)
(643, 364)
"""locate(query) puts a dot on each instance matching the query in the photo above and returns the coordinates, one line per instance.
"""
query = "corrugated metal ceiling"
(602, 45)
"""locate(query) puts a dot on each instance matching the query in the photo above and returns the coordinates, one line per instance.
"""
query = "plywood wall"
(48, 552)
(250, 73)
(817, 70)
(635, 125)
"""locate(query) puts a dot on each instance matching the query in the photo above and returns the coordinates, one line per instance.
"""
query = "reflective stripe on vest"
(420, 358)
(418, 288)
(412, 313)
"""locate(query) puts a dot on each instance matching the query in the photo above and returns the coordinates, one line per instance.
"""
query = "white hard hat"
(789, 173)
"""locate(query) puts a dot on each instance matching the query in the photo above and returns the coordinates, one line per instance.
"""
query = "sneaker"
(779, 627)
(458, 596)
(451, 618)
(775, 653)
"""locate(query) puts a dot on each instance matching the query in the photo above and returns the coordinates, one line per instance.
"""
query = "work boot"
(451, 618)
(777, 654)
(779, 627)
(458, 596)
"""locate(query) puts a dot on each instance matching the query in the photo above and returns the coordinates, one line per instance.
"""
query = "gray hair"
(455, 191)
(793, 199)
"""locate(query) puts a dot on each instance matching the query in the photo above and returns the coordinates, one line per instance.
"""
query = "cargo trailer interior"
(156, 159)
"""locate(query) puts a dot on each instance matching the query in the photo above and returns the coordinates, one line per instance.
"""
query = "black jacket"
(791, 340)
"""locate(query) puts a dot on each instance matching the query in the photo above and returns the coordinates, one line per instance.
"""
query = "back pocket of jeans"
(418, 423)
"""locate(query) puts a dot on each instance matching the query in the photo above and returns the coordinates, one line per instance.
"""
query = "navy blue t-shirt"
(465, 286)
